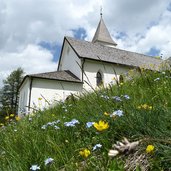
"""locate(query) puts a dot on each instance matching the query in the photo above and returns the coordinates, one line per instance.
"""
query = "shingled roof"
(57, 75)
(93, 51)
(102, 35)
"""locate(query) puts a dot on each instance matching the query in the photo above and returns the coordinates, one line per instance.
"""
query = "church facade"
(82, 66)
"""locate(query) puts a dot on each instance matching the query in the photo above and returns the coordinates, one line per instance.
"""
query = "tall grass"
(146, 118)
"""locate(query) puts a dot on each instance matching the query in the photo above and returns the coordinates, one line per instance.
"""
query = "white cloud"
(24, 24)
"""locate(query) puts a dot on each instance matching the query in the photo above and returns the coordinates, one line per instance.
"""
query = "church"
(83, 65)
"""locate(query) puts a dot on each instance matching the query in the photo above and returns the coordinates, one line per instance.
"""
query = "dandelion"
(117, 113)
(149, 149)
(6, 117)
(85, 153)
(12, 115)
(35, 167)
(106, 113)
(89, 124)
(17, 118)
(101, 125)
(48, 161)
(97, 146)
(1, 124)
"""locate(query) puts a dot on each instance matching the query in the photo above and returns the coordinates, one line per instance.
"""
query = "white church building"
(82, 66)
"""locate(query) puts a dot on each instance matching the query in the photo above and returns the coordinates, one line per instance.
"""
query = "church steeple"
(102, 34)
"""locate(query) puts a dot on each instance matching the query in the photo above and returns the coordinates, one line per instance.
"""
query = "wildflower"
(117, 98)
(89, 124)
(106, 113)
(117, 113)
(56, 127)
(85, 153)
(11, 115)
(6, 117)
(17, 118)
(48, 161)
(126, 97)
(101, 125)
(1, 124)
(145, 106)
(149, 149)
(97, 146)
(39, 98)
(105, 97)
(71, 123)
(113, 153)
(35, 167)
(156, 79)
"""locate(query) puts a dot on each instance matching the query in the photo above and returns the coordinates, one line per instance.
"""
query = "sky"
(32, 31)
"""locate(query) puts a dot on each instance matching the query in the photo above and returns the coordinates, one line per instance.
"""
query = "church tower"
(102, 35)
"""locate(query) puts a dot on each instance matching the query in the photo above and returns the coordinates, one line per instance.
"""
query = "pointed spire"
(102, 34)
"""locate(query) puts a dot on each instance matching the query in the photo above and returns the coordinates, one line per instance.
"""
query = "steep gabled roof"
(57, 75)
(102, 35)
(93, 51)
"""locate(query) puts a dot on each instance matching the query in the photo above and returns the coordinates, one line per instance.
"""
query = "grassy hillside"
(71, 137)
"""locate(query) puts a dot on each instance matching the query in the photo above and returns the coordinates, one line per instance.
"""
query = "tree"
(10, 91)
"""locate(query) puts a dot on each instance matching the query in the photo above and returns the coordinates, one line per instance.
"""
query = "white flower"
(35, 167)
(156, 79)
(113, 153)
(44, 127)
(56, 127)
(97, 146)
(48, 161)
(117, 113)
(89, 124)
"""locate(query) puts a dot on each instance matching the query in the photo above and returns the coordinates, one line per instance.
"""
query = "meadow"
(126, 126)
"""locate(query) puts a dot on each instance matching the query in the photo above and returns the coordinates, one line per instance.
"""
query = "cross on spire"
(101, 11)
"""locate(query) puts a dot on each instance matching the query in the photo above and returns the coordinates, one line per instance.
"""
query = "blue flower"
(48, 161)
(126, 97)
(71, 123)
(56, 127)
(117, 113)
(105, 97)
(117, 98)
(89, 124)
(97, 146)
(35, 167)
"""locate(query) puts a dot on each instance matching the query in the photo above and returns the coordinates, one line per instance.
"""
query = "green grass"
(25, 143)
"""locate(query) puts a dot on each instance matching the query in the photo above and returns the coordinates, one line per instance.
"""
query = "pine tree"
(10, 91)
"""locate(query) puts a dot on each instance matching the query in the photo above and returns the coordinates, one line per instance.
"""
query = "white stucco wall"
(24, 96)
(70, 61)
(108, 71)
(51, 90)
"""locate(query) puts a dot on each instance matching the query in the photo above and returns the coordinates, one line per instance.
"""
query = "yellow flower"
(17, 118)
(145, 106)
(1, 124)
(85, 153)
(149, 149)
(101, 125)
(6, 117)
(11, 115)
(106, 113)
(39, 98)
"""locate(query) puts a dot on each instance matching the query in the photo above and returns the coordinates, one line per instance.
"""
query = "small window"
(99, 79)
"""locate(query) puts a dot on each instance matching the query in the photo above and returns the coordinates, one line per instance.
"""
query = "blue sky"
(32, 35)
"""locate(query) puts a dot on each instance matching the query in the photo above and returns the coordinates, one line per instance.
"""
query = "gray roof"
(89, 50)
(58, 75)
(102, 34)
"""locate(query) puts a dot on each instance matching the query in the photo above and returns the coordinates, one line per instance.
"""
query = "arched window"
(99, 79)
